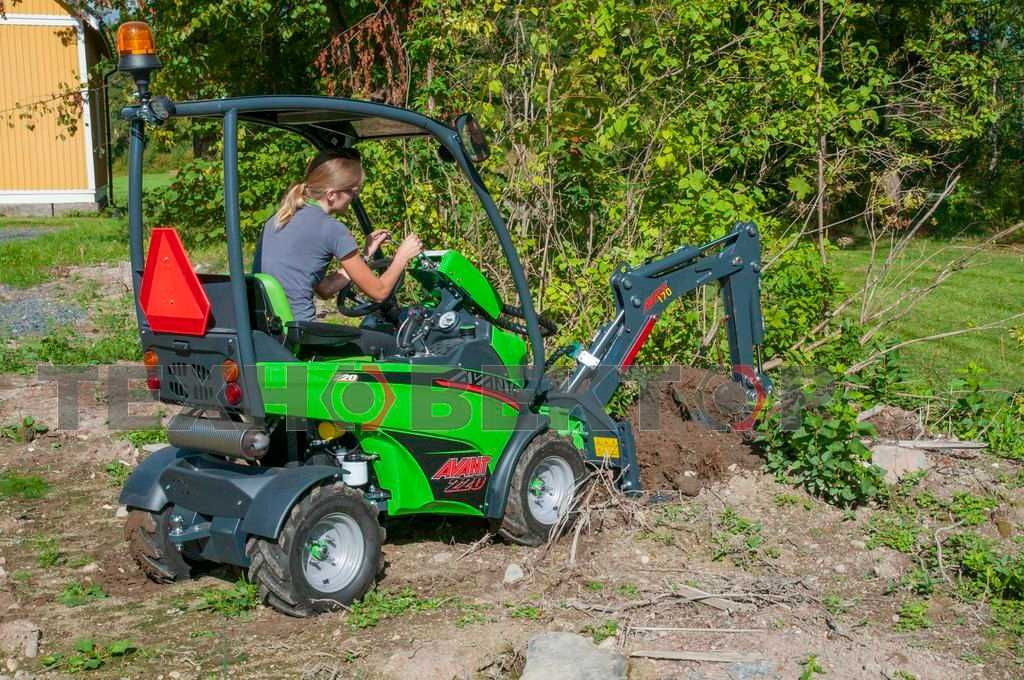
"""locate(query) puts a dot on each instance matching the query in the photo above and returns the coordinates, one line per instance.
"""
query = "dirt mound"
(681, 453)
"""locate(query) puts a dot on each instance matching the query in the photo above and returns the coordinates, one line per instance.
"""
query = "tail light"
(233, 393)
(230, 371)
(152, 362)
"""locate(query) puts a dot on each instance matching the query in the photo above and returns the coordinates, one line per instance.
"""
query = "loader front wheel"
(327, 555)
(546, 481)
(151, 547)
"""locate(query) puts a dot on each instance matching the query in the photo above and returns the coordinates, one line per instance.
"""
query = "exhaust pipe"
(218, 435)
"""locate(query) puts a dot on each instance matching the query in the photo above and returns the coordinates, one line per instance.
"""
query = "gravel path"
(25, 314)
(21, 233)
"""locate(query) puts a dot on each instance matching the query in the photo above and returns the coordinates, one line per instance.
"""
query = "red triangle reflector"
(172, 298)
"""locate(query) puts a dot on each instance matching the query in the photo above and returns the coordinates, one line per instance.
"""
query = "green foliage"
(378, 605)
(77, 593)
(893, 530)
(25, 431)
(194, 200)
(913, 616)
(88, 656)
(140, 438)
(524, 610)
(811, 667)
(602, 631)
(1009, 616)
(970, 509)
(824, 454)
(977, 413)
(118, 472)
(13, 485)
(48, 552)
(740, 539)
(238, 600)
(836, 605)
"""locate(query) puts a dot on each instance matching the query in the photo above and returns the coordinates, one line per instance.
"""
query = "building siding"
(50, 7)
(37, 63)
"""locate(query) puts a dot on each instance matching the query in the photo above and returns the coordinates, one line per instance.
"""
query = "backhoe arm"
(643, 293)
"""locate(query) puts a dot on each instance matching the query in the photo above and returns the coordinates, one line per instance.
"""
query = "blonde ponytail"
(290, 204)
(336, 169)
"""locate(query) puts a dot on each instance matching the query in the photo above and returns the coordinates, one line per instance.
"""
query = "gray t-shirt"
(298, 254)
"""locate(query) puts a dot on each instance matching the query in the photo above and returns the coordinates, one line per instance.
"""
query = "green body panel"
(511, 349)
(378, 404)
(278, 300)
(462, 273)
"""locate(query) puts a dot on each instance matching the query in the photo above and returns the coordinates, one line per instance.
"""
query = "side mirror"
(473, 138)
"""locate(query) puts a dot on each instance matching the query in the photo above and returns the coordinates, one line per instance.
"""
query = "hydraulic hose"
(547, 325)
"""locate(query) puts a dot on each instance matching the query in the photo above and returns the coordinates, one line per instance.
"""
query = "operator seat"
(271, 314)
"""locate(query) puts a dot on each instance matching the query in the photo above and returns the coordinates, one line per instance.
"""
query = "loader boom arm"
(643, 293)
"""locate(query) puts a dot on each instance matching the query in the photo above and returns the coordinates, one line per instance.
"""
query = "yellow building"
(48, 53)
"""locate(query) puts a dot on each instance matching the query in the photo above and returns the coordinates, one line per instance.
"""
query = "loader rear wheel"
(152, 549)
(544, 485)
(327, 555)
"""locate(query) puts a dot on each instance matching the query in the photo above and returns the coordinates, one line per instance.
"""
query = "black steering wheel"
(353, 302)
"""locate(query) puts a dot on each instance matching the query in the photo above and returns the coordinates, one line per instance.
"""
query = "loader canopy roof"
(322, 120)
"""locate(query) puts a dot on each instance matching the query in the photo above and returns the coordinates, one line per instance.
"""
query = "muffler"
(218, 435)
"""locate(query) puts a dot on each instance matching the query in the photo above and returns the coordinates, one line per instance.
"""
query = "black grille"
(191, 382)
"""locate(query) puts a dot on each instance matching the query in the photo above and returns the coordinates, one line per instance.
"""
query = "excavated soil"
(683, 437)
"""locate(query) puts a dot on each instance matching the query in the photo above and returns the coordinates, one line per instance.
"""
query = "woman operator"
(300, 239)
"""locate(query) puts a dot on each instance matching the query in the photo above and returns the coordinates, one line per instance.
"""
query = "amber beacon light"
(136, 53)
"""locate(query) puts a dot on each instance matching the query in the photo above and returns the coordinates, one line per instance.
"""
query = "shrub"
(824, 454)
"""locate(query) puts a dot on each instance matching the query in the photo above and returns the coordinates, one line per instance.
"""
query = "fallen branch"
(714, 657)
(477, 545)
(669, 629)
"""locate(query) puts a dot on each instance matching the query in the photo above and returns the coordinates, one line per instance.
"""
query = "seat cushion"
(337, 338)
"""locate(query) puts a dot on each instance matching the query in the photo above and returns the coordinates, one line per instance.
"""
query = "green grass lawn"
(72, 241)
(989, 289)
(150, 181)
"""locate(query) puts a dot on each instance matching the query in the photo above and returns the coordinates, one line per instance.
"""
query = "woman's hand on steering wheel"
(353, 302)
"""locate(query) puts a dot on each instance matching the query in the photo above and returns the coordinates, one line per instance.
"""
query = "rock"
(441, 558)
(174, 675)
(122, 512)
(885, 568)
(568, 656)
(859, 545)
(20, 637)
(12, 665)
(894, 423)
(24, 675)
(839, 568)
(898, 460)
(513, 574)
(90, 568)
(607, 643)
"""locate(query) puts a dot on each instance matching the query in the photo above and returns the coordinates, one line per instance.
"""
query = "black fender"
(528, 426)
(143, 489)
(265, 498)
(272, 503)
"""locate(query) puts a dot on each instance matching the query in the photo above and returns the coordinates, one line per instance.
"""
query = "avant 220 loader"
(298, 439)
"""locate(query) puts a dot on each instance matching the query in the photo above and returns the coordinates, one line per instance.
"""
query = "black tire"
(519, 524)
(152, 550)
(276, 566)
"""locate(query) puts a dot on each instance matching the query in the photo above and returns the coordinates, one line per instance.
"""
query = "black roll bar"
(263, 110)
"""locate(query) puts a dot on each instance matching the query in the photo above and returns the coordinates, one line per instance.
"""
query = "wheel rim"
(551, 489)
(333, 553)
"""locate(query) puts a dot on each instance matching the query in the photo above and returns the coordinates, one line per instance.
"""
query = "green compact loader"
(297, 440)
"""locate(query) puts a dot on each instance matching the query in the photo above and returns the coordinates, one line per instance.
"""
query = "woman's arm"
(379, 287)
(331, 285)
